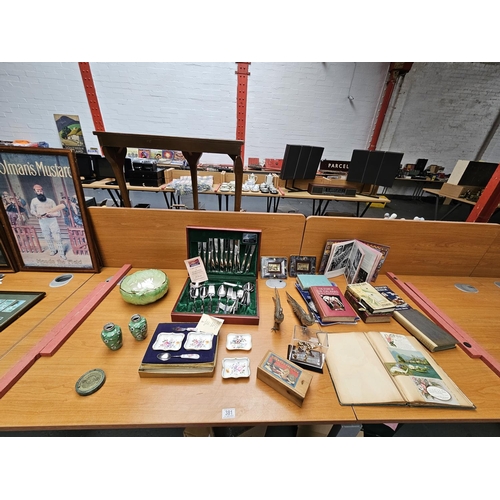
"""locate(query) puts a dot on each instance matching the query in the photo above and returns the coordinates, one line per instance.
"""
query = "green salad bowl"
(144, 287)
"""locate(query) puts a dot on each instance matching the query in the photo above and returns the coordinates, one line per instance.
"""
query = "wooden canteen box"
(231, 258)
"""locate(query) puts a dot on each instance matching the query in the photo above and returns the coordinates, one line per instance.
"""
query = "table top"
(437, 192)
(102, 185)
(126, 400)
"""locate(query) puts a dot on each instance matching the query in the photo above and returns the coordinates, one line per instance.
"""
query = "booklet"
(355, 259)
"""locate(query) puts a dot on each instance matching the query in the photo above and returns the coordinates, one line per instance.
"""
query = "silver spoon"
(165, 356)
(203, 296)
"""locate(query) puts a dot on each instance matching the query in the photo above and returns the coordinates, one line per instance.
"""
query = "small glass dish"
(235, 367)
(239, 341)
(168, 341)
(197, 341)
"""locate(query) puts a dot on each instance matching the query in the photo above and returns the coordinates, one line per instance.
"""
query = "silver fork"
(211, 295)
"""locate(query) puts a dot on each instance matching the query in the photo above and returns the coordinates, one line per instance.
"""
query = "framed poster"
(15, 304)
(7, 260)
(43, 210)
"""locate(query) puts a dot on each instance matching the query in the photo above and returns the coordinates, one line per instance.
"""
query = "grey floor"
(406, 208)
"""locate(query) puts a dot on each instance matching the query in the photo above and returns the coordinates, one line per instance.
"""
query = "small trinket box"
(285, 377)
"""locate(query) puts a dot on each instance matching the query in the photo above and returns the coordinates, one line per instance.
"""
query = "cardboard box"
(285, 377)
(456, 191)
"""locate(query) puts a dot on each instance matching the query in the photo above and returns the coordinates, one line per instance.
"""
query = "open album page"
(421, 380)
(357, 373)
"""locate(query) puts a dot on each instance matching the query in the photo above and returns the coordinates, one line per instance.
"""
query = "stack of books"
(320, 281)
(369, 303)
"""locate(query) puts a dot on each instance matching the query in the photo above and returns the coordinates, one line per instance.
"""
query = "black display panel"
(300, 162)
(103, 168)
(85, 166)
(478, 173)
(379, 168)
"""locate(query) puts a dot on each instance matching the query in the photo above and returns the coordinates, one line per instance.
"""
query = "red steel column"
(241, 104)
(88, 83)
(488, 201)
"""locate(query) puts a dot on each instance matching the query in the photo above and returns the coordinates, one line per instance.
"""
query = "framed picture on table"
(43, 210)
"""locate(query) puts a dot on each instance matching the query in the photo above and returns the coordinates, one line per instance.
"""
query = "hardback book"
(306, 296)
(380, 368)
(425, 330)
(331, 304)
(307, 280)
(370, 298)
(333, 262)
(192, 353)
(366, 316)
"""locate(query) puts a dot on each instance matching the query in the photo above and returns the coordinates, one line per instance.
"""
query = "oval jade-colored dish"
(144, 287)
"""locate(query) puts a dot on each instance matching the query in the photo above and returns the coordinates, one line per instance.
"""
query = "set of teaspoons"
(225, 255)
(226, 298)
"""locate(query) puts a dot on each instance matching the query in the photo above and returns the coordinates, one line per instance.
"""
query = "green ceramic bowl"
(144, 287)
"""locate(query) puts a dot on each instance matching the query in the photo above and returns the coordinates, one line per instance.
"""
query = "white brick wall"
(443, 113)
(297, 103)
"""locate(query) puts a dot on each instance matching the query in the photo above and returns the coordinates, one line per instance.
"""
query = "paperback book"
(379, 368)
(336, 246)
(365, 315)
(368, 297)
(358, 261)
(307, 280)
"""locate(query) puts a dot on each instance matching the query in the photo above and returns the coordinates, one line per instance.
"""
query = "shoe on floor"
(53, 253)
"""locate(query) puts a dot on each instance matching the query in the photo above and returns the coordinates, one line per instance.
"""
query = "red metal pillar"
(88, 83)
(488, 201)
(395, 70)
(241, 104)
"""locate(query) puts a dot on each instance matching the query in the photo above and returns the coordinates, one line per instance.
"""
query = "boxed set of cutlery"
(231, 260)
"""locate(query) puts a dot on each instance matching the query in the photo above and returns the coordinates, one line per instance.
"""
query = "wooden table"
(114, 146)
(419, 185)
(477, 314)
(111, 186)
(273, 200)
(128, 401)
(458, 202)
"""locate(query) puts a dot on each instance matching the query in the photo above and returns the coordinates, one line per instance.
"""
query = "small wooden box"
(285, 377)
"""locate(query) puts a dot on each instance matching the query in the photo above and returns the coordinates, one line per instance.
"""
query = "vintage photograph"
(42, 208)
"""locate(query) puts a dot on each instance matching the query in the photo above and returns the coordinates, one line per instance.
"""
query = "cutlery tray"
(231, 258)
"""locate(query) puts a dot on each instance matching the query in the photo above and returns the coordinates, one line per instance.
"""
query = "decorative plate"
(235, 367)
(168, 341)
(239, 341)
(197, 341)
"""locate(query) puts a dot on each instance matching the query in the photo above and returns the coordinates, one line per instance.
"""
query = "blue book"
(305, 281)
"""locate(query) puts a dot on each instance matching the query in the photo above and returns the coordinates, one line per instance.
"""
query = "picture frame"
(15, 304)
(43, 210)
(302, 264)
(273, 267)
(7, 260)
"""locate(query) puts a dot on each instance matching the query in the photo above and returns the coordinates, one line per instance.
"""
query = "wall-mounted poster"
(70, 132)
(43, 210)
